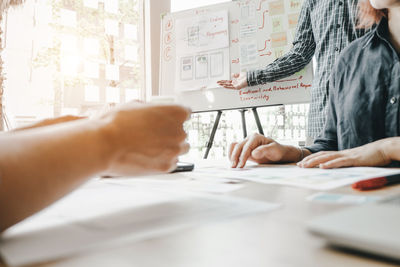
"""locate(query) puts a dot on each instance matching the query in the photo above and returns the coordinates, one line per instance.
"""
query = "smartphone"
(184, 167)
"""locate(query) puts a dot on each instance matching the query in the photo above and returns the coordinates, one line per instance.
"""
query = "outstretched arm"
(295, 60)
(38, 166)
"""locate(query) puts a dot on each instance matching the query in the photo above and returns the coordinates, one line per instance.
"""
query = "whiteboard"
(259, 32)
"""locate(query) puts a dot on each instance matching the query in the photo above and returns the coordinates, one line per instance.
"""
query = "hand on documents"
(239, 81)
(373, 154)
(263, 150)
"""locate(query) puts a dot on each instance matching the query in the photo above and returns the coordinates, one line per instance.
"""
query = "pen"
(376, 183)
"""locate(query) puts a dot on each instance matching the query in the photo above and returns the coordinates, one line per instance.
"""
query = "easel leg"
(243, 111)
(214, 130)
(257, 118)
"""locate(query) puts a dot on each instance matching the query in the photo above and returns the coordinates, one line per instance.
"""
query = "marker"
(375, 183)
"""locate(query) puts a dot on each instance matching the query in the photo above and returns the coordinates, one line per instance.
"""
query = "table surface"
(278, 238)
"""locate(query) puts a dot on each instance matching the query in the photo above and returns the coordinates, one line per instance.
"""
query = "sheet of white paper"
(318, 179)
(101, 215)
(328, 198)
(217, 64)
(187, 68)
(248, 11)
(248, 53)
(248, 30)
(204, 71)
(202, 33)
(217, 186)
(205, 40)
(201, 63)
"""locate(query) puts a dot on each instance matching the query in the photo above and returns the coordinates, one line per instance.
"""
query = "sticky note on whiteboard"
(276, 8)
(278, 39)
(292, 20)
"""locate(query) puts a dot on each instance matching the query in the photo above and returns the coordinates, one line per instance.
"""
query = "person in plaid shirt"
(324, 29)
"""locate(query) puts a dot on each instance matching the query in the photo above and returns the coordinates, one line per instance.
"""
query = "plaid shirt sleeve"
(295, 60)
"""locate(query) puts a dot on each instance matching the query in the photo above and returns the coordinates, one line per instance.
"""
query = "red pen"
(376, 183)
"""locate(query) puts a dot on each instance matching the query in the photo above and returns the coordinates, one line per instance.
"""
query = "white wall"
(152, 12)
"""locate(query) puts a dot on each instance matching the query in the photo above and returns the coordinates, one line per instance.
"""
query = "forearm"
(39, 166)
(296, 59)
(283, 67)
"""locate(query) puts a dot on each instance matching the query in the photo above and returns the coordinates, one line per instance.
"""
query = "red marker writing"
(376, 183)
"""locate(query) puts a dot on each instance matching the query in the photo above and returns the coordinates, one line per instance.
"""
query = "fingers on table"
(337, 163)
(237, 151)
(231, 148)
(319, 158)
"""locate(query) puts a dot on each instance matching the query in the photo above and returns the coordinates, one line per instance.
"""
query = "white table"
(276, 239)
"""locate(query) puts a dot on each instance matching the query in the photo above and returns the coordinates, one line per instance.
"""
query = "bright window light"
(111, 6)
(130, 32)
(131, 53)
(68, 18)
(112, 95)
(112, 72)
(92, 93)
(111, 27)
(91, 3)
(44, 14)
(68, 43)
(132, 94)
(91, 70)
(69, 65)
(91, 46)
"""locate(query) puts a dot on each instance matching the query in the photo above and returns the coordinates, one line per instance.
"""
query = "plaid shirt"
(324, 29)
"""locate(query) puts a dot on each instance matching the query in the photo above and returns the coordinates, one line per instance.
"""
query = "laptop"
(372, 228)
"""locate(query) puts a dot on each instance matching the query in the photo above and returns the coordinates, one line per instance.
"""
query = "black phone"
(184, 167)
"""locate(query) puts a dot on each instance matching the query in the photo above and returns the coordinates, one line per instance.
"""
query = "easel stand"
(244, 127)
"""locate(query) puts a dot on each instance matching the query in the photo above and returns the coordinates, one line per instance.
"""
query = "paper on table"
(219, 186)
(329, 198)
(102, 215)
(318, 179)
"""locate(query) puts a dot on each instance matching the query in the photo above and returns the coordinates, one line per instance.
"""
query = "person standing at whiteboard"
(324, 29)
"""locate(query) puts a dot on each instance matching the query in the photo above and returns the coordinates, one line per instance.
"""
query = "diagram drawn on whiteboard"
(204, 45)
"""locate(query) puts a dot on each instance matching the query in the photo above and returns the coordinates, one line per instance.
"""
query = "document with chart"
(315, 178)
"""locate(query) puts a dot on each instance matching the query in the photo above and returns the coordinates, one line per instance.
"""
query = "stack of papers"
(103, 214)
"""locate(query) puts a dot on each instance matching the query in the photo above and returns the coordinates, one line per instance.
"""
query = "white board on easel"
(204, 45)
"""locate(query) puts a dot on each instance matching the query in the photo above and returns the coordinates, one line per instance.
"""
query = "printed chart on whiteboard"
(203, 45)
(202, 50)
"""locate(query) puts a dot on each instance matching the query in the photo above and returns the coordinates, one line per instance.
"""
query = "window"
(92, 93)
(112, 72)
(91, 46)
(70, 60)
(91, 3)
(130, 32)
(113, 95)
(111, 6)
(111, 27)
(68, 18)
(91, 70)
